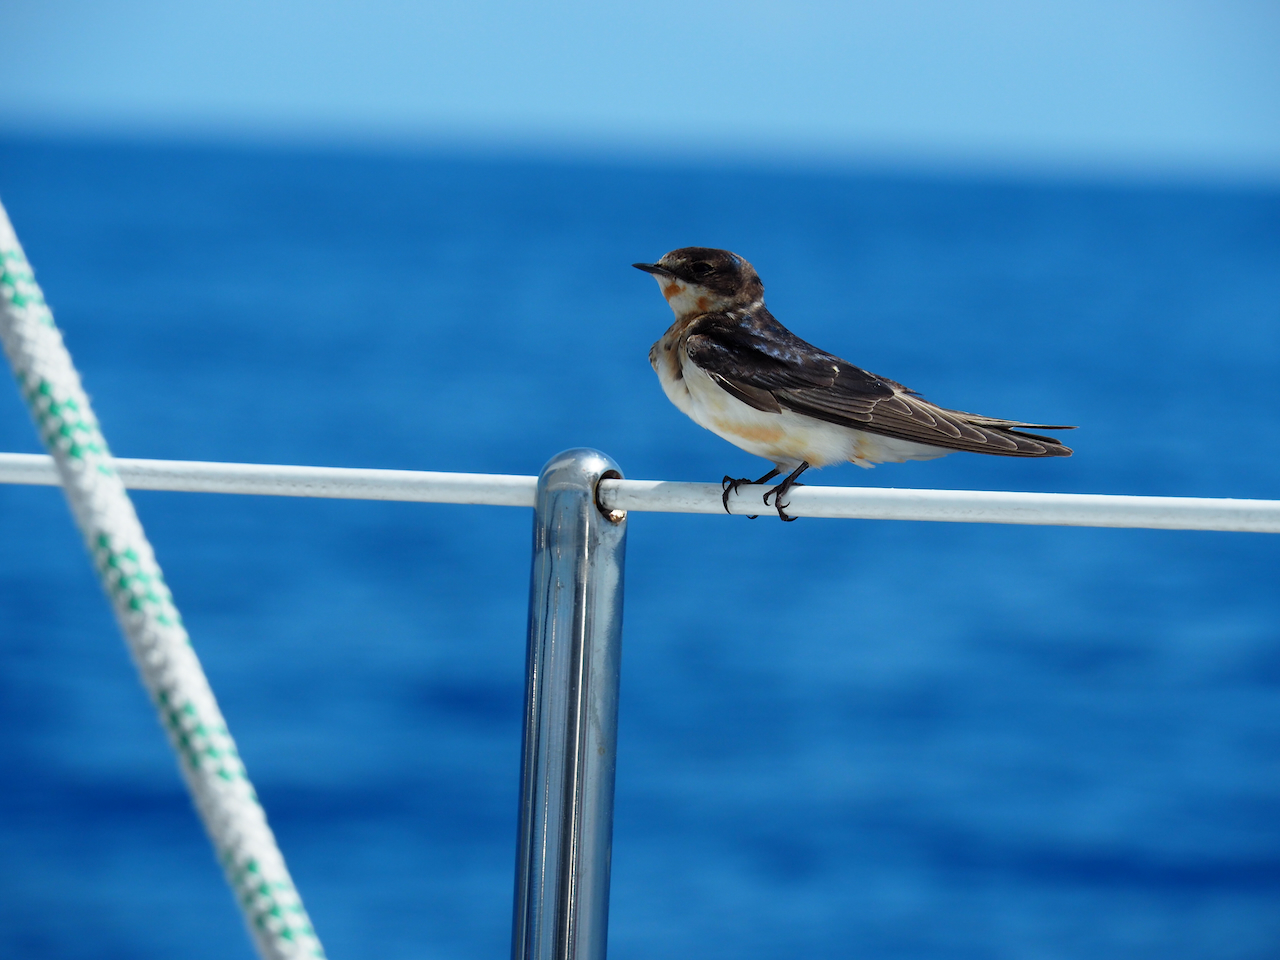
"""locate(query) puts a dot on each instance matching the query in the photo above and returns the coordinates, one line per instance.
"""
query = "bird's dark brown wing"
(765, 365)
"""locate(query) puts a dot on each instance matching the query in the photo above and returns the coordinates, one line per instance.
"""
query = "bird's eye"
(701, 269)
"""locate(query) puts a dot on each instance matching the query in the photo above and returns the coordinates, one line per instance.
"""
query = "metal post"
(571, 715)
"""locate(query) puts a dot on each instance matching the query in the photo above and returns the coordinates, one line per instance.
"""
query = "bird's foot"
(778, 504)
(781, 489)
(730, 486)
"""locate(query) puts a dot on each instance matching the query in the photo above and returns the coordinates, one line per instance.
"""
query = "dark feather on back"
(762, 363)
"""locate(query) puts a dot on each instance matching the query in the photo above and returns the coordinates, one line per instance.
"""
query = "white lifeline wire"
(668, 496)
(126, 565)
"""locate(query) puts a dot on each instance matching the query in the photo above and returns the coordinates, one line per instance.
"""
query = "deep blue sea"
(838, 739)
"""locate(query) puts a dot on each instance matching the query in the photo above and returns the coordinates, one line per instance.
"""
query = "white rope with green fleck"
(144, 607)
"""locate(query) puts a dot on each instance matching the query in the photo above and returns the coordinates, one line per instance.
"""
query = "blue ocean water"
(882, 740)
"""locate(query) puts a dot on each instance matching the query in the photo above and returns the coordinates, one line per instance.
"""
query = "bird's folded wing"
(771, 369)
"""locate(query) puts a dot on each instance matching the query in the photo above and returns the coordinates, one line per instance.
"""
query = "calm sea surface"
(838, 739)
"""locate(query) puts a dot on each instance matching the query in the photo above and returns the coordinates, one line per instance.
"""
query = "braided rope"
(126, 565)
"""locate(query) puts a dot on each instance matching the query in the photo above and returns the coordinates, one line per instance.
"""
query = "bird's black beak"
(652, 268)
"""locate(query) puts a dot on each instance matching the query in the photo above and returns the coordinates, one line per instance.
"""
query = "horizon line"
(831, 157)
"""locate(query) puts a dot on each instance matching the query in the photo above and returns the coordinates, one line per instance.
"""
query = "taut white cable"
(673, 496)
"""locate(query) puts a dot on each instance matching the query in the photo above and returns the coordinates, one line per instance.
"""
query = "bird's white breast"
(665, 358)
(786, 438)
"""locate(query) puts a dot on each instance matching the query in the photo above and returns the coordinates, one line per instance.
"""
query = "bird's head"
(699, 280)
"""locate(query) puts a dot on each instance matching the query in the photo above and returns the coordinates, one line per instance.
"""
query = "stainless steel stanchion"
(571, 715)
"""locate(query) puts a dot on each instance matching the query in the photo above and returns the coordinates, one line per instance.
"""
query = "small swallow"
(734, 369)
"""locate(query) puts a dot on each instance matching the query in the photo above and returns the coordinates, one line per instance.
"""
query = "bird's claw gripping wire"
(781, 489)
(731, 486)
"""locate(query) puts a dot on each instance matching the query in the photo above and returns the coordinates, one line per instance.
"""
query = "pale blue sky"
(1183, 86)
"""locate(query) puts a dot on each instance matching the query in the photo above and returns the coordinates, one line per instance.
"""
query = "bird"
(732, 368)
